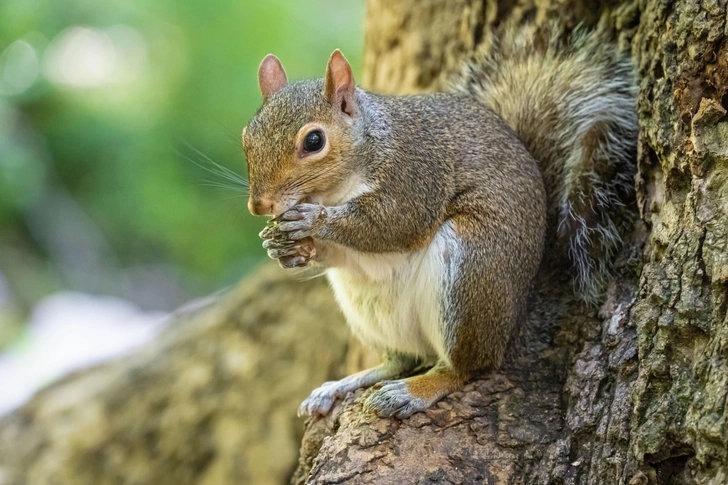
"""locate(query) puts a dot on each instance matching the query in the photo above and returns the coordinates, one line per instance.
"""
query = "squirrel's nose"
(259, 207)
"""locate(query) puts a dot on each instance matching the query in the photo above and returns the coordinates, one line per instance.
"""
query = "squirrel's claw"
(278, 248)
(290, 253)
(297, 223)
(289, 226)
(267, 233)
(394, 398)
(321, 399)
(280, 243)
(278, 253)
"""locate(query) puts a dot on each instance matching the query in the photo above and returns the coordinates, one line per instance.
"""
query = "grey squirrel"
(430, 213)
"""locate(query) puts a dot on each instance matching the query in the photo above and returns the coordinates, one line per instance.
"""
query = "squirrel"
(430, 213)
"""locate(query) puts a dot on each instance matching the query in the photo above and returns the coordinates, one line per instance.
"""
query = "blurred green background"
(102, 104)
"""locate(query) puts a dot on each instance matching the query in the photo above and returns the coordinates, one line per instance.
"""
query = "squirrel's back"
(571, 98)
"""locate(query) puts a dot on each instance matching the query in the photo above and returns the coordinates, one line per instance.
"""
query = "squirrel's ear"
(271, 76)
(339, 85)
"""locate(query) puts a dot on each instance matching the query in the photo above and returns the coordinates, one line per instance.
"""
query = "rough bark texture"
(212, 401)
(635, 393)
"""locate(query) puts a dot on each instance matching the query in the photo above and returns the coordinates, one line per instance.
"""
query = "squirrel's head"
(299, 144)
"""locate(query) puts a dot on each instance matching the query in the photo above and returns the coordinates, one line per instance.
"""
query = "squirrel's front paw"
(301, 221)
(291, 254)
(288, 236)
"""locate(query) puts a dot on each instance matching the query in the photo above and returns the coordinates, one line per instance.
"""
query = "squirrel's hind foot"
(404, 397)
(322, 399)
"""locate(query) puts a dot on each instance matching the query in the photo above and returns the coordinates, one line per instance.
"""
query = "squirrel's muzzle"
(260, 206)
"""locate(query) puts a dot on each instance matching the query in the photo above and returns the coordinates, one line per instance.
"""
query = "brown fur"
(571, 98)
(421, 162)
(434, 384)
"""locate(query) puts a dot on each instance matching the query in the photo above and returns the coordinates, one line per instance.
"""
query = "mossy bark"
(212, 401)
(637, 392)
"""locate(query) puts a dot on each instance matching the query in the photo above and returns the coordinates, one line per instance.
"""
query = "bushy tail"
(572, 99)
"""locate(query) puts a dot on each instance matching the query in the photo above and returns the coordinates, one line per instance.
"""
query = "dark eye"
(314, 141)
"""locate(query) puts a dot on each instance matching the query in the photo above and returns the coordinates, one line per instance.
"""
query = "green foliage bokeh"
(94, 179)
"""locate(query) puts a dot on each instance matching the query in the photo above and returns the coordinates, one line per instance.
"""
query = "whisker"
(234, 139)
(232, 197)
(203, 167)
(309, 278)
(230, 133)
(217, 169)
(225, 204)
(223, 185)
(238, 215)
(300, 182)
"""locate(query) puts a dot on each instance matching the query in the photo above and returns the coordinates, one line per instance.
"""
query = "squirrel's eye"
(314, 141)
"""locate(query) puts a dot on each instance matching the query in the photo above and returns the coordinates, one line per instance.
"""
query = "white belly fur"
(394, 301)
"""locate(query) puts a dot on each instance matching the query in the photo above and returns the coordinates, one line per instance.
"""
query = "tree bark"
(212, 401)
(634, 393)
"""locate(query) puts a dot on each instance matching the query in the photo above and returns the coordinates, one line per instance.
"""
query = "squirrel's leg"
(405, 397)
(483, 310)
(322, 399)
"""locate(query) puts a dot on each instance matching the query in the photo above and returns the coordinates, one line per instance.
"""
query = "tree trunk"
(212, 401)
(635, 393)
